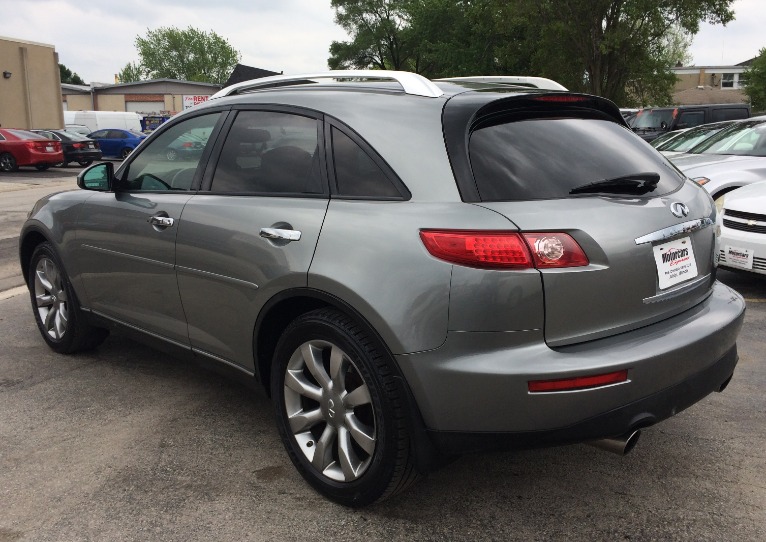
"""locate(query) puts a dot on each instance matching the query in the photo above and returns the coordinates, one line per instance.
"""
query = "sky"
(96, 39)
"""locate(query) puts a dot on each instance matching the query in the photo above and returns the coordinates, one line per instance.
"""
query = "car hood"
(748, 199)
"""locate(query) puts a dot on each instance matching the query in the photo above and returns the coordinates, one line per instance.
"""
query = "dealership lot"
(126, 443)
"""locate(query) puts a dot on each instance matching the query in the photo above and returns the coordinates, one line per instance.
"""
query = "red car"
(22, 148)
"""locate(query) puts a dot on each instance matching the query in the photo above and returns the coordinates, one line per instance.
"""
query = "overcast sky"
(96, 38)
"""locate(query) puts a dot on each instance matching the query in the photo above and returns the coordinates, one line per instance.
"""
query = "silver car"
(411, 269)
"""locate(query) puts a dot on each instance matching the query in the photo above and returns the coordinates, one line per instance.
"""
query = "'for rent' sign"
(191, 101)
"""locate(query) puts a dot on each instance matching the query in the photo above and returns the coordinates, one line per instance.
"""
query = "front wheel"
(340, 410)
(125, 153)
(57, 313)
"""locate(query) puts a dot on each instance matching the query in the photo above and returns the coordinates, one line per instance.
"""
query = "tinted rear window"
(546, 158)
(23, 134)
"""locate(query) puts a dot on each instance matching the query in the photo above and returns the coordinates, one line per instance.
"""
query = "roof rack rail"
(534, 82)
(412, 83)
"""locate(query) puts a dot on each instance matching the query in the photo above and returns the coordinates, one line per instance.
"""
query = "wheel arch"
(288, 305)
(27, 244)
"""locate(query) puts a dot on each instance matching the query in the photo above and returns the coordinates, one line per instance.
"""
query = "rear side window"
(731, 113)
(548, 158)
(356, 172)
(269, 152)
(690, 119)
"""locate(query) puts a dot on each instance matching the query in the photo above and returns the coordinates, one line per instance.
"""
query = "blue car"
(117, 143)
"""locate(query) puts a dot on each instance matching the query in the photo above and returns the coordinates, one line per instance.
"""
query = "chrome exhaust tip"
(621, 445)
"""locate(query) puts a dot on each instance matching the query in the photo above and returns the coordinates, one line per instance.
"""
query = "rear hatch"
(567, 163)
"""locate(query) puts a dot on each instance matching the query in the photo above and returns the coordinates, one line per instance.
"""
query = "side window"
(101, 134)
(270, 152)
(170, 161)
(356, 173)
(732, 113)
(116, 134)
(690, 119)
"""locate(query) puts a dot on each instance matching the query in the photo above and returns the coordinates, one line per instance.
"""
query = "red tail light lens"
(578, 382)
(187, 144)
(504, 250)
(561, 99)
(78, 145)
(483, 249)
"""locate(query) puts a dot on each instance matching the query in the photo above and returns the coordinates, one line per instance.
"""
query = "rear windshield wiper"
(633, 184)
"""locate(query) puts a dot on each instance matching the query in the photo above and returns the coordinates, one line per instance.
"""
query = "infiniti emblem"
(679, 209)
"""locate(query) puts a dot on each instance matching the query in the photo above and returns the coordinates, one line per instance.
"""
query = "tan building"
(29, 85)
(154, 97)
(710, 84)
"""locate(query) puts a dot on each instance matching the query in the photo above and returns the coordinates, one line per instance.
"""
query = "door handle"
(280, 235)
(161, 221)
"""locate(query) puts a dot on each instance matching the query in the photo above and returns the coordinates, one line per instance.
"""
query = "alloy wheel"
(51, 298)
(329, 410)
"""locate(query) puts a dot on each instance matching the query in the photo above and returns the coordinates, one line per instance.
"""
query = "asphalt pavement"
(127, 443)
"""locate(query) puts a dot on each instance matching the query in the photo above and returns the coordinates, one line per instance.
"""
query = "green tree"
(379, 31)
(755, 82)
(131, 73)
(68, 76)
(620, 49)
(190, 55)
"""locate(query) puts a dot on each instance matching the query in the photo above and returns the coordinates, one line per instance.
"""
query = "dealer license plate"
(739, 257)
(675, 262)
(49, 149)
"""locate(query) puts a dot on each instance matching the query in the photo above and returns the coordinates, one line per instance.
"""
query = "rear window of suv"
(545, 158)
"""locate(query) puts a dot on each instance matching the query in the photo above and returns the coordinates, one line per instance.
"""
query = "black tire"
(124, 153)
(42, 167)
(8, 162)
(365, 415)
(62, 164)
(85, 163)
(54, 303)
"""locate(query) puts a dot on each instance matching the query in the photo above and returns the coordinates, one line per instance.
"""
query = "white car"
(742, 226)
(734, 157)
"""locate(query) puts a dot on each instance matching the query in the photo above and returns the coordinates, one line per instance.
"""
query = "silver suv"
(412, 269)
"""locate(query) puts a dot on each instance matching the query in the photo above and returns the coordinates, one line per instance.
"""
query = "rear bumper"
(635, 415)
(478, 382)
(82, 156)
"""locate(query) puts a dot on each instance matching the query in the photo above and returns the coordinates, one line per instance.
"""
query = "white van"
(98, 120)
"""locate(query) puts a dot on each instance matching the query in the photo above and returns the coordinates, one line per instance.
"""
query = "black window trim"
(330, 122)
(207, 178)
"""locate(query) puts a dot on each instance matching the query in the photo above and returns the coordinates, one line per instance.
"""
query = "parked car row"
(25, 148)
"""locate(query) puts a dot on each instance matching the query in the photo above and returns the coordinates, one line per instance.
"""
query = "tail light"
(187, 144)
(79, 145)
(43, 146)
(504, 250)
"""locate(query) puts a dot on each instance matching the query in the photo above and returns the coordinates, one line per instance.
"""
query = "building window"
(727, 80)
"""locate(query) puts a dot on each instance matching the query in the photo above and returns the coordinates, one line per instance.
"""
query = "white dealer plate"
(675, 262)
(739, 257)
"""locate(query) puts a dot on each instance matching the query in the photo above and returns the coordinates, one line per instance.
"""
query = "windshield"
(655, 119)
(692, 138)
(747, 138)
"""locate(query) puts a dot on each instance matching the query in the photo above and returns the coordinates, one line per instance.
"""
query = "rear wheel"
(171, 154)
(8, 162)
(125, 152)
(57, 312)
(340, 410)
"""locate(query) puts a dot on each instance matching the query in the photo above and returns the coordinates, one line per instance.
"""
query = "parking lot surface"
(127, 443)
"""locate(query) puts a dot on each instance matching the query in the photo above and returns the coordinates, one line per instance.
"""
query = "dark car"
(25, 148)
(76, 147)
(117, 143)
(186, 147)
(651, 122)
(412, 269)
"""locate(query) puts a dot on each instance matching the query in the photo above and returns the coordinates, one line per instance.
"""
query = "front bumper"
(477, 382)
(756, 242)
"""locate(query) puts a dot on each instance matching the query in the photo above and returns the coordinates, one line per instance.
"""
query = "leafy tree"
(67, 76)
(132, 72)
(190, 55)
(380, 35)
(755, 82)
(620, 49)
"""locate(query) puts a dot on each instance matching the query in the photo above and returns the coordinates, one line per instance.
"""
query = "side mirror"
(99, 177)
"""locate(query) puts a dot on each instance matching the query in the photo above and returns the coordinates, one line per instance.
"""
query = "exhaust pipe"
(620, 445)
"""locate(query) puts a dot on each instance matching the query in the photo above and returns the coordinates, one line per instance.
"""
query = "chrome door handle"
(161, 221)
(281, 235)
